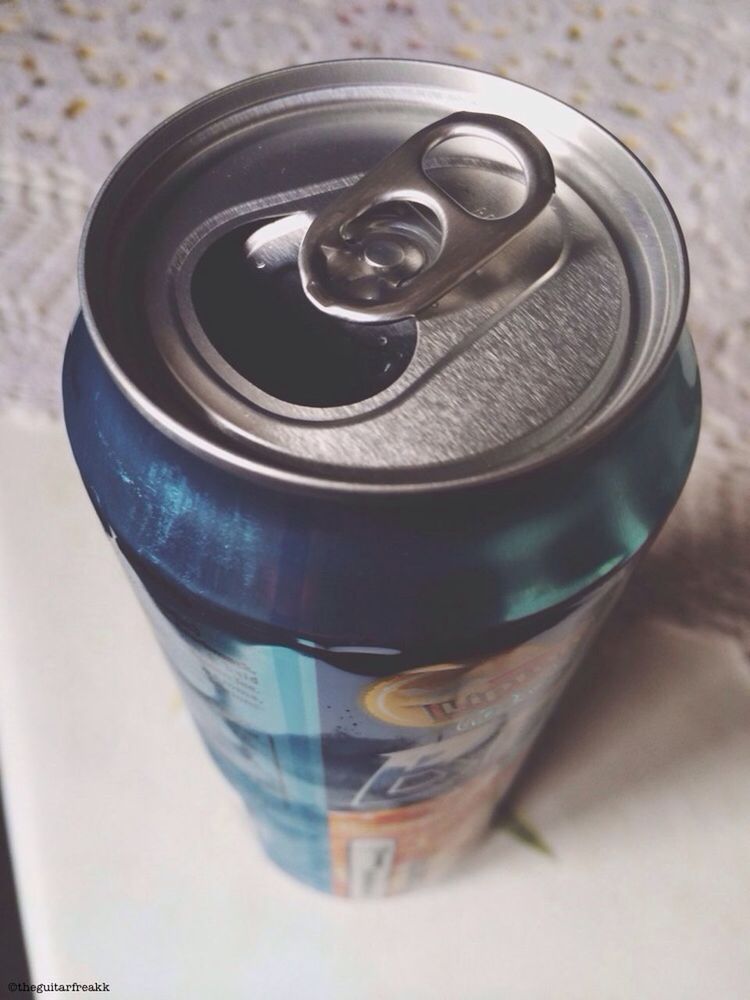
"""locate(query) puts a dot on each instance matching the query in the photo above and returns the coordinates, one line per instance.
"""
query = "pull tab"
(371, 256)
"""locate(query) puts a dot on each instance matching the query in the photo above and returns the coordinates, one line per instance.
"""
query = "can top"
(196, 283)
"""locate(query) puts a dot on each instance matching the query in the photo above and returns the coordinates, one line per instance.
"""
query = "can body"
(375, 528)
(375, 705)
(363, 784)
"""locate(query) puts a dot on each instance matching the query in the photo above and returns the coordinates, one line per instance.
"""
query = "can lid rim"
(289, 477)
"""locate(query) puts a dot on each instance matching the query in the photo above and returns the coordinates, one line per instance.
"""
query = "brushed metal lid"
(546, 346)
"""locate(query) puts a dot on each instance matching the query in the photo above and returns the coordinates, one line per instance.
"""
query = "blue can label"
(361, 784)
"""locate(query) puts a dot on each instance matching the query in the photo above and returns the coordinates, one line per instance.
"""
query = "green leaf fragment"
(524, 832)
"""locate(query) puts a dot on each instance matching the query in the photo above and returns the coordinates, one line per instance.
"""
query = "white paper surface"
(136, 863)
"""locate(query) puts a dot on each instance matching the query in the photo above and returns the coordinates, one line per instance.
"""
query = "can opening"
(264, 326)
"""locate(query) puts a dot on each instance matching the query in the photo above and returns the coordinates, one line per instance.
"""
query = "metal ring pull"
(400, 271)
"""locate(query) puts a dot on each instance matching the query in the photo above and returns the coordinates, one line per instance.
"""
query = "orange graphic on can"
(446, 693)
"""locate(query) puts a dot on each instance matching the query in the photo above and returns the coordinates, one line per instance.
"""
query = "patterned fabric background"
(84, 79)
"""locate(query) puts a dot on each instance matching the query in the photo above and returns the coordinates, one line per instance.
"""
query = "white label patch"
(370, 864)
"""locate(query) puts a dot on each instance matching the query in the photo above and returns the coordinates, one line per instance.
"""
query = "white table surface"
(137, 866)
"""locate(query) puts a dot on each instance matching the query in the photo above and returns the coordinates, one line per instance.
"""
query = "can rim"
(288, 477)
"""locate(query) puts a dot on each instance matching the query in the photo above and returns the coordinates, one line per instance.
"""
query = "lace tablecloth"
(83, 79)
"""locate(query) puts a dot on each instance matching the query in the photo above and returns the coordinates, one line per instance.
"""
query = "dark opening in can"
(263, 325)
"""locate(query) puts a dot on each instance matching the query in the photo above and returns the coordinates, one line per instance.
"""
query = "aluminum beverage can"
(380, 389)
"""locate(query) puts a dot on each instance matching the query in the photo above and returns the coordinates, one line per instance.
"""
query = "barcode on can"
(370, 865)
